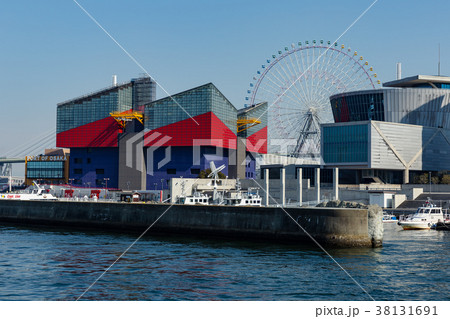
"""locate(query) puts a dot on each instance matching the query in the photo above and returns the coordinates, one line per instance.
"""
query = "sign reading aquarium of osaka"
(45, 158)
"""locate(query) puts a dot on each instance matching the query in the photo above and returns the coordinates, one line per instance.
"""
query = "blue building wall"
(250, 166)
(89, 166)
(181, 163)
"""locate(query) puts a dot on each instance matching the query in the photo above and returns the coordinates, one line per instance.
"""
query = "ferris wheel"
(297, 84)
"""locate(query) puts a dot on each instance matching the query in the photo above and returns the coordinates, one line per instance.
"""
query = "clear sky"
(51, 51)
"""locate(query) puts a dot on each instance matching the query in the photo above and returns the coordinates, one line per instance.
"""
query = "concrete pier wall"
(330, 226)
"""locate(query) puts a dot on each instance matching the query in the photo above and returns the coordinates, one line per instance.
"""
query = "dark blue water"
(59, 264)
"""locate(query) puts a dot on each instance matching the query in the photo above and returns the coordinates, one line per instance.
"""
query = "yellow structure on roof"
(246, 123)
(122, 118)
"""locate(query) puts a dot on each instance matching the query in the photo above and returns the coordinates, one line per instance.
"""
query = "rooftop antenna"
(439, 59)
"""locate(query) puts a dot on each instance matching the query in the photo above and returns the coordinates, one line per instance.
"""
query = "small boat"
(424, 218)
(389, 218)
(244, 198)
(38, 193)
(195, 199)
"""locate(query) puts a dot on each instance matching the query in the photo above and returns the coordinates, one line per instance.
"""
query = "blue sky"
(51, 51)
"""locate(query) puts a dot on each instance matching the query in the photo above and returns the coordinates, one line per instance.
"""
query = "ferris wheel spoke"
(290, 83)
(286, 85)
(280, 81)
(297, 75)
(301, 84)
(304, 71)
(326, 58)
(287, 93)
(278, 100)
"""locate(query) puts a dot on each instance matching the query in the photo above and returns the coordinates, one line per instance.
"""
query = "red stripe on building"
(345, 113)
(257, 142)
(101, 133)
(210, 131)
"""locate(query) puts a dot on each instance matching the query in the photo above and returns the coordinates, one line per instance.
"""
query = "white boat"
(244, 198)
(196, 198)
(424, 218)
(389, 218)
(38, 193)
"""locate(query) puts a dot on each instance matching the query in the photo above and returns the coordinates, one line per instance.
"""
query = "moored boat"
(424, 218)
(37, 193)
(250, 197)
(196, 198)
(389, 218)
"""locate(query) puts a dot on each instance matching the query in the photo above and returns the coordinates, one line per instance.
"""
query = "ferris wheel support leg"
(300, 185)
(266, 179)
(336, 182)
(282, 186)
(318, 184)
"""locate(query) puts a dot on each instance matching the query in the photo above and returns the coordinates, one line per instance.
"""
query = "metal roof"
(418, 79)
(250, 108)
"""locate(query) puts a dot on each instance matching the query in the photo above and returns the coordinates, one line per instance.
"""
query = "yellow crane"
(246, 123)
(122, 118)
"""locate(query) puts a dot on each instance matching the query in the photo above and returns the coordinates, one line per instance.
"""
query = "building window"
(345, 144)
(78, 160)
(78, 171)
(99, 171)
(171, 171)
(89, 160)
(45, 170)
(195, 171)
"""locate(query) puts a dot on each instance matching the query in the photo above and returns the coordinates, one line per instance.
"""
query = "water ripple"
(58, 264)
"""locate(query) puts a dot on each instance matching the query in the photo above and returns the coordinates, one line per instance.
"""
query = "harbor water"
(38, 263)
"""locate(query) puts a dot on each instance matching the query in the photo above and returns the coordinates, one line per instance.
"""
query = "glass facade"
(196, 101)
(223, 109)
(84, 111)
(45, 170)
(358, 107)
(144, 92)
(345, 143)
(96, 106)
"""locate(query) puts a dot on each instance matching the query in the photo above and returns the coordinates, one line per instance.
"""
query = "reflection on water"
(57, 264)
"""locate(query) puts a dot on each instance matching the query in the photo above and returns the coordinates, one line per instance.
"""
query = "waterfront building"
(85, 125)
(52, 167)
(124, 137)
(196, 127)
(391, 134)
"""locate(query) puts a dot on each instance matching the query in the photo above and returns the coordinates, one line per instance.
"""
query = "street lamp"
(128, 185)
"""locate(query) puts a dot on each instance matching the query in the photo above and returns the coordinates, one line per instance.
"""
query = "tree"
(445, 179)
(421, 179)
(206, 172)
